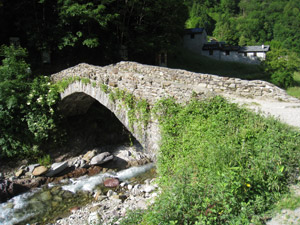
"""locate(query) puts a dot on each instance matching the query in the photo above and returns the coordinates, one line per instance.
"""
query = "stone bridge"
(150, 83)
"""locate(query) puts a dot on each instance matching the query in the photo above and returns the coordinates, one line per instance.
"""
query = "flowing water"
(52, 201)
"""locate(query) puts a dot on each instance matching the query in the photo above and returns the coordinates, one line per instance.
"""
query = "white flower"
(28, 103)
(48, 83)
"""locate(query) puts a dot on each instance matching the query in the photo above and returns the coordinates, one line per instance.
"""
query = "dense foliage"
(255, 22)
(27, 106)
(95, 31)
(249, 22)
(219, 164)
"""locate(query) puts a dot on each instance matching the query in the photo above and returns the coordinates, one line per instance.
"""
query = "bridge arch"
(77, 98)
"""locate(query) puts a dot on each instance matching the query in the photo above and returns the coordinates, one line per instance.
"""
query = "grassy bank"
(295, 91)
(219, 164)
(188, 60)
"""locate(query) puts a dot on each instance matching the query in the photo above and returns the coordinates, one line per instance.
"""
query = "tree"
(83, 21)
(27, 106)
(199, 15)
(224, 15)
(14, 87)
(281, 65)
(286, 29)
(147, 27)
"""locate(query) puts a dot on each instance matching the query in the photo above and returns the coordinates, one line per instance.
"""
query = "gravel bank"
(287, 112)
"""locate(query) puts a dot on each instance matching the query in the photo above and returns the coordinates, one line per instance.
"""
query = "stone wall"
(152, 82)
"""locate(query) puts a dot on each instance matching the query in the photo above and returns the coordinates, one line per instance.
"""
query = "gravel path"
(287, 112)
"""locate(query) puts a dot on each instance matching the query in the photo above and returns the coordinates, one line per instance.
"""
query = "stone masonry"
(153, 83)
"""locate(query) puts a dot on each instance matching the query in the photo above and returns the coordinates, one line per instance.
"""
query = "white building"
(194, 39)
(246, 54)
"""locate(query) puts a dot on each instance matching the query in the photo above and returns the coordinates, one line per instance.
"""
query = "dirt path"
(287, 112)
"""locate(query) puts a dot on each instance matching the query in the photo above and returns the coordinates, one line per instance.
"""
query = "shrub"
(220, 164)
(27, 107)
(282, 79)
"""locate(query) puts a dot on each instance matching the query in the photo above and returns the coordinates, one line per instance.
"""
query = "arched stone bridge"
(151, 83)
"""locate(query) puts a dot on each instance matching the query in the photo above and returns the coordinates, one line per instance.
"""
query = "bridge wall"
(78, 97)
(153, 83)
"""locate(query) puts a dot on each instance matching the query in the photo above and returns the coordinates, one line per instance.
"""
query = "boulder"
(83, 164)
(89, 155)
(94, 218)
(40, 170)
(19, 173)
(111, 182)
(148, 188)
(57, 168)
(31, 183)
(101, 158)
(9, 189)
(94, 170)
(32, 167)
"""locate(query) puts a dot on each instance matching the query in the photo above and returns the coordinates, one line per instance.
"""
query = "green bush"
(27, 106)
(281, 64)
(282, 79)
(220, 164)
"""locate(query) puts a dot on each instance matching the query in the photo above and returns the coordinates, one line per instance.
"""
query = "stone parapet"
(153, 82)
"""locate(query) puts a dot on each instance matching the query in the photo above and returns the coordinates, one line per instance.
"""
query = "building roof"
(225, 47)
(194, 31)
(211, 46)
(220, 46)
(259, 48)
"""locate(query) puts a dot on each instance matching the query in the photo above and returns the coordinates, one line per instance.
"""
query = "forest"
(94, 31)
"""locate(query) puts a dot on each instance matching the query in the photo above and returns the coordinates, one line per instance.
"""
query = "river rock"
(9, 189)
(110, 193)
(83, 164)
(40, 170)
(19, 173)
(31, 183)
(148, 188)
(32, 167)
(94, 170)
(57, 168)
(89, 155)
(94, 218)
(77, 173)
(45, 196)
(101, 158)
(141, 204)
(111, 182)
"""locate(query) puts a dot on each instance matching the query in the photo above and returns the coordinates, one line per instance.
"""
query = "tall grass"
(295, 91)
